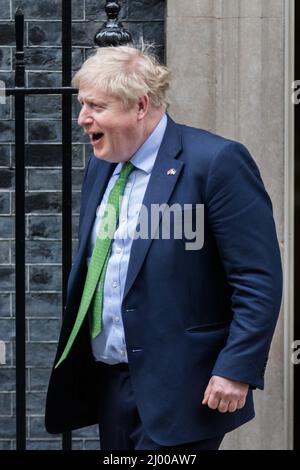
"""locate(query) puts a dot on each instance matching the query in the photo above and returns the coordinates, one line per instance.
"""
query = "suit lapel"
(159, 191)
(104, 171)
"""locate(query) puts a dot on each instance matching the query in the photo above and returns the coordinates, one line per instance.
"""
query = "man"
(162, 341)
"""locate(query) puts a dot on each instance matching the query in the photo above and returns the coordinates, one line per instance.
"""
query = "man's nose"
(84, 116)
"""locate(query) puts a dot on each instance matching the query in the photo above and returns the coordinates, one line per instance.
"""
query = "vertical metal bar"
(297, 231)
(67, 158)
(20, 236)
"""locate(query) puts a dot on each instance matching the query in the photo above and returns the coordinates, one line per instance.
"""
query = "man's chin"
(108, 158)
(100, 154)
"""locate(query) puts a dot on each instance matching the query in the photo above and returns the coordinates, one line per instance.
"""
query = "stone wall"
(144, 18)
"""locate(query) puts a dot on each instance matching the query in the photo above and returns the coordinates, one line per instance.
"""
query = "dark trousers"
(120, 426)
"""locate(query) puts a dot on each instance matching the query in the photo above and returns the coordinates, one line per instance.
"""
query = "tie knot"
(127, 168)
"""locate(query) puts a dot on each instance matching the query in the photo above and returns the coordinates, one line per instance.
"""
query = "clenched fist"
(225, 395)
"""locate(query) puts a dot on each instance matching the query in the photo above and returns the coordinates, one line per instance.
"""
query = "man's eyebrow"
(93, 101)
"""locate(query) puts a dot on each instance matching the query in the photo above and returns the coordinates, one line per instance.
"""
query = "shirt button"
(115, 284)
(122, 352)
(118, 250)
(117, 319)
(123, 218)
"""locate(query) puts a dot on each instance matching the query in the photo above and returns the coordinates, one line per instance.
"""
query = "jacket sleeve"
(241, 219)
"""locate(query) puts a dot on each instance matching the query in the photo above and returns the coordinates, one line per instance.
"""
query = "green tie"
(99, 260)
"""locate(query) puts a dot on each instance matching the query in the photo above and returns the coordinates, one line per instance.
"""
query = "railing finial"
(112, 32)
(19, 12)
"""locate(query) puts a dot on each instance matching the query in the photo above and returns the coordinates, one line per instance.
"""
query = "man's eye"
(98, 107)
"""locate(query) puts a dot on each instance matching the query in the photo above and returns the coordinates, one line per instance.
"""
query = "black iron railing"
(112, 33)
(297, 234)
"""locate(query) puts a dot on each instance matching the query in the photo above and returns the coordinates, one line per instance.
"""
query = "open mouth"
(95, 138)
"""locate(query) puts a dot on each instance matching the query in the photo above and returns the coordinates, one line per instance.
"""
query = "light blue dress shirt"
(109, 346)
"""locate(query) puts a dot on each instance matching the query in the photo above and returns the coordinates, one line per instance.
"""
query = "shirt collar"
(144, 158)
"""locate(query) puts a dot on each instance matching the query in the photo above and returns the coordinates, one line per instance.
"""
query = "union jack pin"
(171, 172)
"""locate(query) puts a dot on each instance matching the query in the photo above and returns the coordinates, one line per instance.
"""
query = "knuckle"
(222, 409)
(212, 404)
(212, 407)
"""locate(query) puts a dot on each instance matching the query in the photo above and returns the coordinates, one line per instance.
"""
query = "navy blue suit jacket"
(187, 314)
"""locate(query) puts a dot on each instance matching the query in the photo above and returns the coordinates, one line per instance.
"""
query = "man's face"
(114, 131)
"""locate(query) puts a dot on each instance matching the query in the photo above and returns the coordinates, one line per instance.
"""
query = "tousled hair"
(125, 72)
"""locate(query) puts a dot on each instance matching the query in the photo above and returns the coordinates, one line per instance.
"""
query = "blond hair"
(125, 72)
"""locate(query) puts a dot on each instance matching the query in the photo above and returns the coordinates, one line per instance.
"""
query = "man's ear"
(142, 106)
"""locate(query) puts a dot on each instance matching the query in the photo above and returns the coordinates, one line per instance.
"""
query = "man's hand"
(225, 395)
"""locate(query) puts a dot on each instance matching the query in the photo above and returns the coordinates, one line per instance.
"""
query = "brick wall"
(43, 193)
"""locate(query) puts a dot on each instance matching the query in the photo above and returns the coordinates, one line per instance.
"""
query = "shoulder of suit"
(205, 136)
(202, 143)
